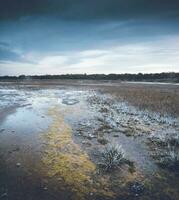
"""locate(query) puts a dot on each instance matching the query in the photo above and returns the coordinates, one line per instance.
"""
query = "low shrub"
(112, 157)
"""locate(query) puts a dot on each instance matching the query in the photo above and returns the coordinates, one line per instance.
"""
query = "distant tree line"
(162, 77)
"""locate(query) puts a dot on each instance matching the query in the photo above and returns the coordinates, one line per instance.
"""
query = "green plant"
(112, 157)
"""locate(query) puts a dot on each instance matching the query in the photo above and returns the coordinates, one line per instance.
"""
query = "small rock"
(70, 101)
(18, 164)
(90, 136)
(45, 188)
(59, 179)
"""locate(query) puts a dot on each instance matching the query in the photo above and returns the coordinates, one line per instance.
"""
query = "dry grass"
(159, 98)
(155, 97)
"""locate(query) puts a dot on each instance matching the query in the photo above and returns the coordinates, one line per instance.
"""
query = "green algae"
(66, 161)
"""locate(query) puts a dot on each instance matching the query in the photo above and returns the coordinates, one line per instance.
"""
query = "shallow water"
(32, 138)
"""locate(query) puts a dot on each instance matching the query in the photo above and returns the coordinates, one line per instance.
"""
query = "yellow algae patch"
(65, 159)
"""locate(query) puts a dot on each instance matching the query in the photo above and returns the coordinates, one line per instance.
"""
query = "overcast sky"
(88, 36)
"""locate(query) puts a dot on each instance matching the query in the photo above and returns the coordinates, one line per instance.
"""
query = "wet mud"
(51, 142)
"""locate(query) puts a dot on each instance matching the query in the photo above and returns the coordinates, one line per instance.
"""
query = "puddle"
(70, 101)
(25, 121)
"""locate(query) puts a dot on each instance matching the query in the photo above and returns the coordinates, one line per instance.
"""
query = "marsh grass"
(169, 158)
(112, 157)
(162, 99)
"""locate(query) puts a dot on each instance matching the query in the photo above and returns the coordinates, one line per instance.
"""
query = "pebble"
(90, 136)
(18, 164)
(45, 188)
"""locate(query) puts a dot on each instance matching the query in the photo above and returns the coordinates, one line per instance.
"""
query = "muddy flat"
(54, 137)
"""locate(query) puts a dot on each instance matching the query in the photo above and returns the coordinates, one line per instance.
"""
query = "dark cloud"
(50, 32)
(91, 9)
(8, 54)
(45, 34)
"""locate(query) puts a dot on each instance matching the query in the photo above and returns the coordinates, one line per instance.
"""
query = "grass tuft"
(112, 157)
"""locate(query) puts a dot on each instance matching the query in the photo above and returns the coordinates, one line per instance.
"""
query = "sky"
(88, 36)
